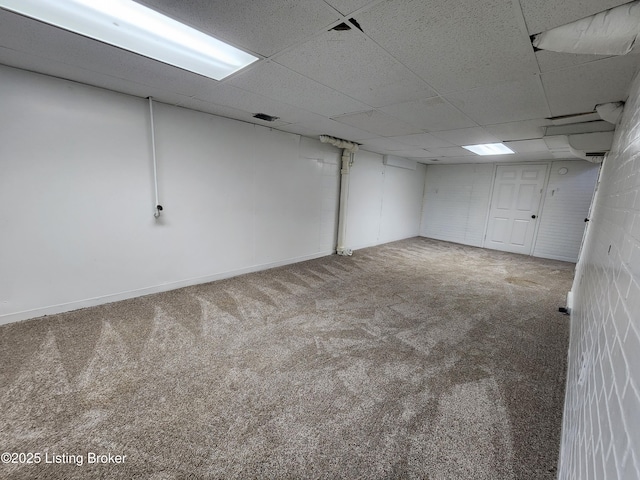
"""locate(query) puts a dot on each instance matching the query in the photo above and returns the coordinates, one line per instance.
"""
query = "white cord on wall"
(158, 207)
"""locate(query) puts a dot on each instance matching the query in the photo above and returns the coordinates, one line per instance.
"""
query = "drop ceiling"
(419, 78)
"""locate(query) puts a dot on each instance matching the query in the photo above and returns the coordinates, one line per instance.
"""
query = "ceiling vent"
(265, 117)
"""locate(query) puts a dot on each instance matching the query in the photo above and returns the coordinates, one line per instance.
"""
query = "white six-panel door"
(515, 205)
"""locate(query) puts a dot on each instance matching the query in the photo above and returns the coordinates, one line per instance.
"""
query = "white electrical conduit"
(158, 207)
(612, 32)
(348, 149)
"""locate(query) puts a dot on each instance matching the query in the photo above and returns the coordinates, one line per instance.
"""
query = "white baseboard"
(381, 242)
(115, 297)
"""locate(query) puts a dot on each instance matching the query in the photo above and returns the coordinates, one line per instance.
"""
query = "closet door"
(515, 207)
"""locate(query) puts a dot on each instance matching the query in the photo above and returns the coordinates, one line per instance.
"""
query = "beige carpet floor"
(415, 359)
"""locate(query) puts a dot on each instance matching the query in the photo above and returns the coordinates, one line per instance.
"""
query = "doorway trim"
(545, 184)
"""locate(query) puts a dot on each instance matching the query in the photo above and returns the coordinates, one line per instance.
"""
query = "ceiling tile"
(377, 122)
(432, 114)
(423, 140)
(542, 15)
(325, 126)
(455, 160)
(346, 7)
(226, 95)
(228, 112)
(528, 146)
(43, 44)
(453, 45)
(476, 53)
(451, 152)
(503, 102)
(518, 157)
(580, 89)
(218, 99)
(518, 130)
(52, 68)
(264, 27)
(412, 153)
(467, 136)
(383, 143)
(549, 61)
(279, 83)
(358, 68)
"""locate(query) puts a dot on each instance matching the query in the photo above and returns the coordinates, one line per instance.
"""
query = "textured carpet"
(415, 359)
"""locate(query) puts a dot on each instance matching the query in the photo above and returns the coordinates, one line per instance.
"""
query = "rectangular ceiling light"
(489, 149)
(131, 26)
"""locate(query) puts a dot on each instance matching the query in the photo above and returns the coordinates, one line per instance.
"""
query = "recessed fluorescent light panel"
(489, 149)
(131, 26)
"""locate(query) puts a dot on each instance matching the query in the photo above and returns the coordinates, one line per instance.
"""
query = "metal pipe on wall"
(348, 151)
(158, 207)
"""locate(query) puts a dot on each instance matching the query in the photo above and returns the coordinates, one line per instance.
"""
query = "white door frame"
(545, 184)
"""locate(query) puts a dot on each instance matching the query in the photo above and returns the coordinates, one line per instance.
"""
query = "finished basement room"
(337, 239)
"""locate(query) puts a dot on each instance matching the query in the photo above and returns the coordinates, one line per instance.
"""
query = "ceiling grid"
(419, 78)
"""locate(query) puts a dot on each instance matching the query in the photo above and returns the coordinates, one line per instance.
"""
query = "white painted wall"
(384, 201)
(402, 193)
(456, 202)
(601, 434)
(565, 206)
(365, 200)
(77, 202)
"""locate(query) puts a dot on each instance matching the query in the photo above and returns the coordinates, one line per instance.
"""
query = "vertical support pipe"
(158, 207)
(348, 151)
(347, 159)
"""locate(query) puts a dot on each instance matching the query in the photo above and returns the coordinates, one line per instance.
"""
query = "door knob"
(533, 216)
